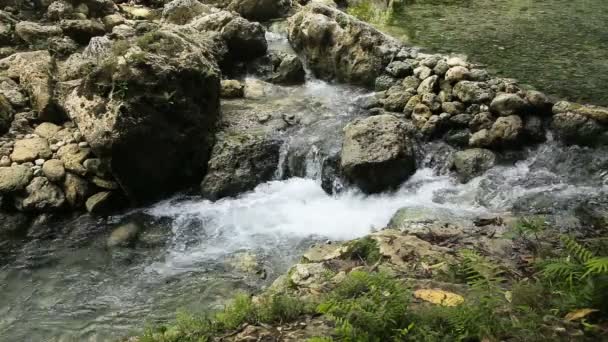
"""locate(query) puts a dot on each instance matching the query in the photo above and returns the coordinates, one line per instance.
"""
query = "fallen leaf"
(578, 314)
(440, 297)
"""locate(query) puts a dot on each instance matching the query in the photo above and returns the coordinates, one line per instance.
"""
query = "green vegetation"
(368, 307)
(565, 299)
(365, 250)
(270, 309)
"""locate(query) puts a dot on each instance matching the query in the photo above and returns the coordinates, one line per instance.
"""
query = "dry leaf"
(578, 314)
(439, 297)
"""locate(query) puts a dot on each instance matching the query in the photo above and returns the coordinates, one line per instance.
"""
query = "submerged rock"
(377, 154)
(124, 235)
(338, 46)
(472, 163)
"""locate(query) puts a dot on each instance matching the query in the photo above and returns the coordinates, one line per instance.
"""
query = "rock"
(14, 178)
(36, 34)
(410, 82)
(40, 195)
(533, 128)
(505, 104)
(428, 85)
(457, 74)
(577, 129)
(113, 20)
(82, 30)
(76, 190)
(456, 61)
(27, 150)
(483, 120)
(338, 46)
(399, 69)
(507, 131)
(473, 162)
(245, 40)
(104, 183)
(396, 99)
(384, 82)
(278, 67)
(96, 166)
(458, 137)
(62, 46)
(309, 275)
(5, 161)
(53, 170)
(72, 157)
(452, 107)
(11, 90)
(101, 203)
(473, 92)
(6, 114)
(261, 10)
(539, 102)
(461, 120)
(32, 69)
(600, 114)
(47, 130)
(238, 163)
(144, 138)
(59, 9)
(232, 89)
(441, 68)
(181, 12)
(123, 235)
(423, 72)
(376, 153)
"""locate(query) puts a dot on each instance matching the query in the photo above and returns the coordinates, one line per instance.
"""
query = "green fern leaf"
(598, 265)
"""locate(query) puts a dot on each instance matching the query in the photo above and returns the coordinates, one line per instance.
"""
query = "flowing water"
(193, 254)
(557, 46)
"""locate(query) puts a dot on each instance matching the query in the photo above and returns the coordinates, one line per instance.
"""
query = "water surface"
(558, 46)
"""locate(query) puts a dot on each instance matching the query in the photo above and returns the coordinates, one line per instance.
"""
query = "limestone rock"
(32, 69)
(82, 30)
(457, 74)
(577, 129)
(338, 46)
(47, 130)
(41, 195)
(506, 104)
(472, 163)
(35, 33)
(59, 9)
(181, 12)
(507, 131)
(73, 156)
(11, 90)
(76, 190)
(261, 10)
(53, 170)
(428, 85)
(143, 137)
(278, 67)
(399, 69)
(600, 114)
(232, 89)
(27, 150)
(376, 153)
(473, 92)
(14, 178)
(102, 203)
(238, 163)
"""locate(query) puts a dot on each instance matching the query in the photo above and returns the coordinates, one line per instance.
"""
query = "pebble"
(83, 144)
(39, 162)
(54, 147)
(60, 143)
(5, 161)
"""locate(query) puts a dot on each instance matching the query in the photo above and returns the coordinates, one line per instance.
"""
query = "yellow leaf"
(578, 314)
(440, 297)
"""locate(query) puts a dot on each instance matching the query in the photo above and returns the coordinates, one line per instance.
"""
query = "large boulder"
(28, 150)
(82, 30)
(181, 12)
(238, 163)
(338, 46)
(245, 40)
(261, 10)
(150, 114)
(580, 124)
(32, 69)
(473, 162)
(278, 67)
(506, 104)
(377, 154)
(600, 114)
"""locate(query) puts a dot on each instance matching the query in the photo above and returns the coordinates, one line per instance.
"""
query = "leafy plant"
(368, 307)
(365, 249)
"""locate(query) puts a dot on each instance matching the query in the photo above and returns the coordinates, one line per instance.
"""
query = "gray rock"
(376, 153)
(461, 120)
(399, 69)
(101, 203)
(59, 9)
(35, 33)
(533, 128)
(384, 82)
(457, 74)
(539, 102)
(40, 195)
(232, 89)
(181, 12)
(410, 82)
(505, 104)
(279, 67)
(82, 30)
(14, 178)
(326, 37)
(507, 131)
(27, 150)
(473, 92)
(73, 156)
(47, 130)
(11, 90)
(471, 163)
(600, 114)
(238, 163)
(575, 128)
(261, 10)
(396, 99)
(423, 72)
(452, 107)
(76, 190)
(428, 85)
(53, 170)
(441, 68)
(6, 114)
(124, 235)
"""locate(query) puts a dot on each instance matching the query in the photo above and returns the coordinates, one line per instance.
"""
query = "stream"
(193, 254)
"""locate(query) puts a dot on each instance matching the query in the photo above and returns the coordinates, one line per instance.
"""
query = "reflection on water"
(558, 46)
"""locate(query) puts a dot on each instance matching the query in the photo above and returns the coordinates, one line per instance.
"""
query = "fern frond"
(576, 249)
(596, 266)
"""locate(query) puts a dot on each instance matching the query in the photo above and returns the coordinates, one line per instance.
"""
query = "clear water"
(557, 46)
